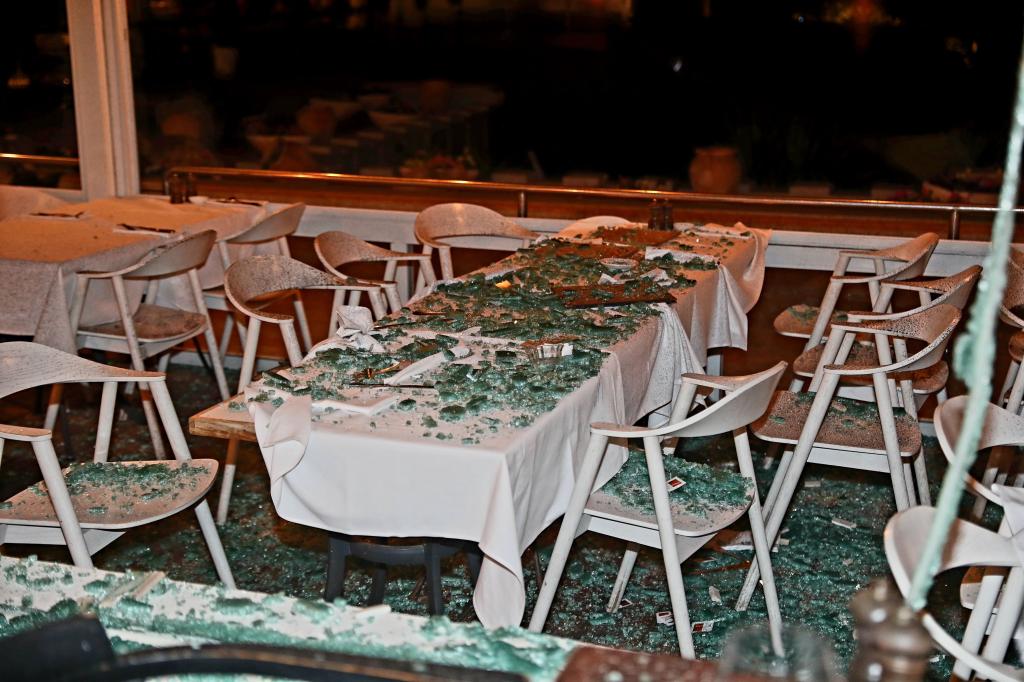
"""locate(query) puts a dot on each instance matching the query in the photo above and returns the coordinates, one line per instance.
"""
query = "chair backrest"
(736, 410)
(465, 220)
(582, 228)
(26, 365)
(182, 255)
(968, 545)
(910, 251)
(279, 224)
(250, 278)
(1001, 427)
(337, 248)
(954, 290)
(934, 326)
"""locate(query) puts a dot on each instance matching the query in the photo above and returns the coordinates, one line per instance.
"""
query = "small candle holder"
(177, 188)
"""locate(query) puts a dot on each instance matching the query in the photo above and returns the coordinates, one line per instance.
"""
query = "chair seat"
(863, 354)
(711, 499)
(152, 323)
(1017, 346)
(849, 425)
(798, 321)
(114, 495)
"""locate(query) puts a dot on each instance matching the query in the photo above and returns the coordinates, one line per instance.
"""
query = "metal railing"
(865, 216)
(40, 160)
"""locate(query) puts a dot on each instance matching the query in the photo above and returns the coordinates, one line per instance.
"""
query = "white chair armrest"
(23, 433)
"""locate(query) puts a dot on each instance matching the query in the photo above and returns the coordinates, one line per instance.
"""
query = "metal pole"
(954, 224)
(521, 211)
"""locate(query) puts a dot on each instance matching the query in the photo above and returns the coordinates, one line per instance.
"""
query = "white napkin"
(426, 364)
(355, 326)
(282, 433)
(678, 255)
(607, 279)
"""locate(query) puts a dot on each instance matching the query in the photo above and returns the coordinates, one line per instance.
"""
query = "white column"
(104, 103)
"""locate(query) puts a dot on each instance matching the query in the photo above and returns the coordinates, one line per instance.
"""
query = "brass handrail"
(63, 161)
(522, 195)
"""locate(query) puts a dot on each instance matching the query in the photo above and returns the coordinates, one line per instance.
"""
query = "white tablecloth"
(385, 479)
(40, 254)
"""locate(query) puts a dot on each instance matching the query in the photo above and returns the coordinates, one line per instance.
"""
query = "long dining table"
(485, 446)
(41, 251)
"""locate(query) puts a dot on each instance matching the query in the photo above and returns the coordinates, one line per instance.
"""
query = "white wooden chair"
(338, 248)
(968, 545)
(87, 517)
(679, 534)
(446, 221)
(585, 227)
(255, 279)
(152, 329)
(274, 229)
(850, 433)
(1012, 391)
(954, 290)
(981, 589)
(812, 323)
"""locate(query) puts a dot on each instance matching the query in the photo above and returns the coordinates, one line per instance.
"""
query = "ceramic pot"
(715, 170)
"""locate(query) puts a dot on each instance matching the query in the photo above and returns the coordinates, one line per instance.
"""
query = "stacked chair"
(865, 384)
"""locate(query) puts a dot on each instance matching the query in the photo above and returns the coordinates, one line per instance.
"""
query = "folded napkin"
(282, 433)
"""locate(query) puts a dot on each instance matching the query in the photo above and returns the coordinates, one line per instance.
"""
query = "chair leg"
(780, 476)
(924, 495)
(394, 300)
(217, 360)
(213, 543)
(669, 551)
(300, 317)
(1013, 400)
(474, 558)
(762, 549)
(379, 585)
(432, 563)
(227, 481)
(179, 446)
(53, 407)
(225, 334)
(892, 446)
(338, 551)
(977, 624)
(567, 531)
(61, 500)
(801, 453)
(1010, 385)
(1006, 620)
(622, 579)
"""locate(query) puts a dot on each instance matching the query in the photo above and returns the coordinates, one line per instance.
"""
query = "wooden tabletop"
(220, 421)
(598, 663)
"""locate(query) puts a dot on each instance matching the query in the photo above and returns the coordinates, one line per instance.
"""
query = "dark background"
(804, 90)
